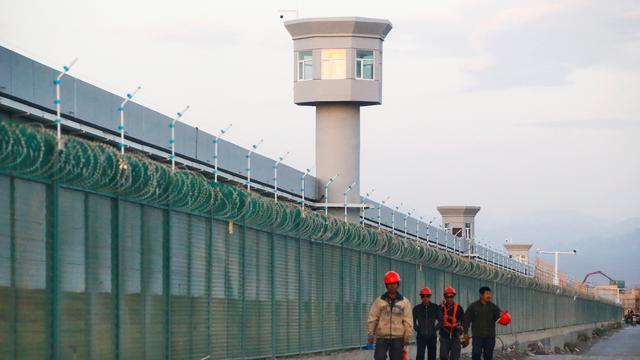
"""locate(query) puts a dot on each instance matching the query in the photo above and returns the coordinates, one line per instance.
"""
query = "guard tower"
(459, 220)
(338, 69)
(518, 251)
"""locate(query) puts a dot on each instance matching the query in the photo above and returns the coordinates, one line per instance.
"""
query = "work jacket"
(482, 318)
(427, 319)
(390, 319)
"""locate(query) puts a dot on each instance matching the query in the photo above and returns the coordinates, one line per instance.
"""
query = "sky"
(529, 109)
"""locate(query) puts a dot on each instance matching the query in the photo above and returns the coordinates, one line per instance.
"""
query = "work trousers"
(482, 346)
(450, 348)
(426, 342)
(392, 346)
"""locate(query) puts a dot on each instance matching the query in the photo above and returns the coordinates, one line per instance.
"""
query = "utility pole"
(556, 281)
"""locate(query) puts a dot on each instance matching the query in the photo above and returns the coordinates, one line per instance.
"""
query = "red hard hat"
(391, 277)
(505, 318)
(449, 290)
(425, 291)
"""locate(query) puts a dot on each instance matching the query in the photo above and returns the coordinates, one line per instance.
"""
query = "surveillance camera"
(575, 251)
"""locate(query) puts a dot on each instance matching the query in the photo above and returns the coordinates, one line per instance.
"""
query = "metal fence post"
(12, 297)
(209, 248)
(55, 272)
(115, 271)
(273, 295)
(166, 265)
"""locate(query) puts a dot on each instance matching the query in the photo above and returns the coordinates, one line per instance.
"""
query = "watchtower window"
(305, 65)
(364, 64)
(334, 64)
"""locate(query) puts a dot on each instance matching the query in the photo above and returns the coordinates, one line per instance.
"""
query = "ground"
(622, 345)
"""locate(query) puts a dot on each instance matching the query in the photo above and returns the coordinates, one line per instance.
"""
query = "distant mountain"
(611, 247)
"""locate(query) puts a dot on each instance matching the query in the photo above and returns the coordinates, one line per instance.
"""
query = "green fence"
(103, 257)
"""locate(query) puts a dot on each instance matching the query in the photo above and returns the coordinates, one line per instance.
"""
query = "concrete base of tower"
(338, 153)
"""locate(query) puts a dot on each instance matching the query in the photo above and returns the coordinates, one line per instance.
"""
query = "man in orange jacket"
(453, 316)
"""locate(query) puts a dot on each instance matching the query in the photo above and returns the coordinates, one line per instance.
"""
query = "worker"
(427, 319)
(482, 316)
(451, 329)
(390, 323)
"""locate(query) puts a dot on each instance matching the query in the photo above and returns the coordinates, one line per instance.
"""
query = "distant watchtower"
(459, 220)
(338, 69)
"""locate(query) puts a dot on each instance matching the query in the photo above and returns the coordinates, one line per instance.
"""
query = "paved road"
(623, 345)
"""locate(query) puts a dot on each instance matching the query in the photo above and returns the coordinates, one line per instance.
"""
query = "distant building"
(544, 273)
(611, 292)
(630, 300)
(519, 252)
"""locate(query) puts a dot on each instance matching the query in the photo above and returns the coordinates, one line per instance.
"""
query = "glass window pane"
(334, 63)
(305, 55)
(308, 70)
(305, 65)
(364, 64)
(364, 54)
(368, 70)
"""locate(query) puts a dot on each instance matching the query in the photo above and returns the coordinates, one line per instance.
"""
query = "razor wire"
(30, 150)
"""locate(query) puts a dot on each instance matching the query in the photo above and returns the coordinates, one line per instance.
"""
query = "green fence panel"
(199, 286)
(31, 264)
(155, 314)
(180, 299)
(219, 302)
(101, 302)
(6, 274)
(234, 272)
(130, 300)
(74, 304)
(144, 263)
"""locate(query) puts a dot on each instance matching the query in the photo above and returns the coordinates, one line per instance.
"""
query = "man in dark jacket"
(453, 317)
(482, 315)
(427, 319)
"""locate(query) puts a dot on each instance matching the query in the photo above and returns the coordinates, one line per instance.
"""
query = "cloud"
(586, 124)
(543, 45)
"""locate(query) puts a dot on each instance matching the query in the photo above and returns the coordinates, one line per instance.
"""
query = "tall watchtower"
(338, 69)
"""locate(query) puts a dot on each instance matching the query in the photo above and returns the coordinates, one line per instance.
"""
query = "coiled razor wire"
(30, 150)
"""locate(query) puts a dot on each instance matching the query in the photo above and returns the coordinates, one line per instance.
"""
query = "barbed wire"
(30, 150)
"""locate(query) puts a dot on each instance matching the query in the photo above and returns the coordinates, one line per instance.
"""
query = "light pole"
(429, 229)
(380, 210)
(366, 197)
(216, 140)
(485, 252)
(275, 176)
(345, 193)
(302, 187)
(393, 218)
(556, 280)
(253, 148)
(58, 101)
(406, 216)
(172, 141)
(121, 110)
(326, 194)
